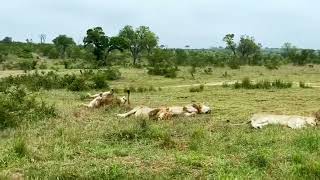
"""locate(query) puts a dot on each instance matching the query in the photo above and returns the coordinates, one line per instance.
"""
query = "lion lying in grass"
(106, 99)
(295, 122)
(165, 113)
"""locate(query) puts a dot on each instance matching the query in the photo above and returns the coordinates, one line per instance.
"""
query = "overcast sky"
(199, 23)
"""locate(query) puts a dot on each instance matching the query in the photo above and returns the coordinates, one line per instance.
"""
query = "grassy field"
(94, 144)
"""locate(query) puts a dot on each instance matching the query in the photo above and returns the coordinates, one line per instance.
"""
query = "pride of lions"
(257, 121)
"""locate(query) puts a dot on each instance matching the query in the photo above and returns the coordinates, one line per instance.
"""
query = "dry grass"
(96, 144)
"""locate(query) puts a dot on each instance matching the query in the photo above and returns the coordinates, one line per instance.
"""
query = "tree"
(138, 40)
(289, 51)
(62, 42)
(150, 41)
(43, 38)
(7, 40)
(231, 45)
(102, 44)
(246, 47)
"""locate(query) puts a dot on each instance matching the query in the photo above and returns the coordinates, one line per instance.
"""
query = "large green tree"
(138, 40)
(102, 44)
(247, 46)
(62, 42)
(231, 45)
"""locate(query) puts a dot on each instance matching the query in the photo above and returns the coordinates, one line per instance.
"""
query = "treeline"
(140, 47)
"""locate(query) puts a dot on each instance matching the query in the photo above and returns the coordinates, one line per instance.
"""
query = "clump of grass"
(151, 88)
(225, 85)
(167, 142)
(280, 84)
(196, 88)
(197, 139)
(304, 85)
(226, 75)
(142, 89)
(246, 83)
(20, 147)
(258, 160)
(132, 89)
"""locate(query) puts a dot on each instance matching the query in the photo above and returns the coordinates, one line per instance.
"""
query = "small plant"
(196, 88)
(225, 85)
(141, 89)
(16, 106)
(20, 147)
(208, 71)
(151, 88)
(304, 85)
(132, 89)
(226, 75)
(234, 63)
(265, 84)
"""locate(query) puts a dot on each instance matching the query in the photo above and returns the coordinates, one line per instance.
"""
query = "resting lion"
(295, 122)
(106, 98)
(165, 113)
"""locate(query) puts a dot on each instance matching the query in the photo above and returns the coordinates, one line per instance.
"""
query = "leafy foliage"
(16, 106)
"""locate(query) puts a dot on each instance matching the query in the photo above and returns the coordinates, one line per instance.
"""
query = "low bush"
(303, 85)
(16, 106)
(27, 65)
(51, 80)
(196, 88)
(246, 83)
(161, 64)
(208, 71)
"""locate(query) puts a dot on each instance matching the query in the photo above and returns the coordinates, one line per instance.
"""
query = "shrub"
(111, 74)
(225, 85)
(272, 64)
(132, 89)
(303, 85)
(20, 147)
(234, 63)
(226, 75)
(52, 80)
(142, 89)
(151, 88)
(16, 107)
(196, 88)
(27, 65)
(265, 84)
(281, 84)
(99, 80)
(160, 63)
(208, 71)
(78, 84)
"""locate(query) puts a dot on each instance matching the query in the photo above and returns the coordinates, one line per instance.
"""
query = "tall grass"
(246, 83)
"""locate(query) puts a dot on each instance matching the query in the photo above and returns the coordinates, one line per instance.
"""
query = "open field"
(95, 144)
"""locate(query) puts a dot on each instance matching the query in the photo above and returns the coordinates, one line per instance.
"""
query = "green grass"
(95, 144)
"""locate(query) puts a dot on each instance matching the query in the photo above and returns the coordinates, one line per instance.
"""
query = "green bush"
(234, 63)
(112, 74)
(303, 85)
(162, 64)
(16, 107)
(27, 65)
(196, 88)
(99, 80)
(265, 84)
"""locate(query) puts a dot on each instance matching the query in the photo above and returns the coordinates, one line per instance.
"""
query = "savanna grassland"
(95, 144)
